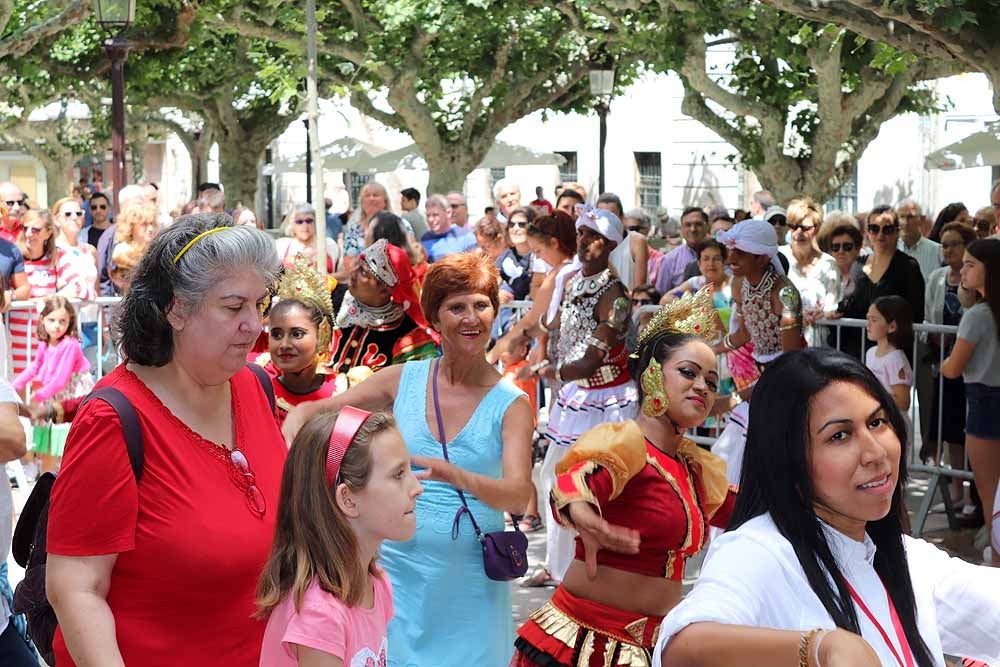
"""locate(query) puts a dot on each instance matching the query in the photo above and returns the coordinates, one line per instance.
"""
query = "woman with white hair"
(301, 239)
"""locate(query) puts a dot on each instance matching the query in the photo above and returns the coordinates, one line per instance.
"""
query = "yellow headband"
(190, 243)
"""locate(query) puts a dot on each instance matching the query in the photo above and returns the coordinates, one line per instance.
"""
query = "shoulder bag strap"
(444, 448)
(129, 421)
(265, 382)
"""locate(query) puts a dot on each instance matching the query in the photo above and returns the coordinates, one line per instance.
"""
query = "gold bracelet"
(804, 641)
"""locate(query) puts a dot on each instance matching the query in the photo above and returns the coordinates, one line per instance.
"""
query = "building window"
(357, 182)
(567, 170)
(846, 199)
(650, 179)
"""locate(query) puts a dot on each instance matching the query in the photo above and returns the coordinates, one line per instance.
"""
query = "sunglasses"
(34, 230)
(99, 207)
(304, 221)
(805, 228)
(15, 202)
(838, 247)
(887, 230)
(70, 214)
(523, 224)
(244, 477)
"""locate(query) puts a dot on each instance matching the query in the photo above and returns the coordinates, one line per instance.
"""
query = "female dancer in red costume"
(641, 497)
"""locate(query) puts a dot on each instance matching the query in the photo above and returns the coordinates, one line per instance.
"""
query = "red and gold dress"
(285, 399)
(670, 501)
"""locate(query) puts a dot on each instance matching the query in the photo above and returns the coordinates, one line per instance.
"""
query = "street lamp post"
(602, 84)
(115, 16)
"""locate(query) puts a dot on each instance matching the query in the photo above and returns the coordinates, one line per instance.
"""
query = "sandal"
(530, 523)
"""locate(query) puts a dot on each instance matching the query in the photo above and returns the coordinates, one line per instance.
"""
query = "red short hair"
(459, 274)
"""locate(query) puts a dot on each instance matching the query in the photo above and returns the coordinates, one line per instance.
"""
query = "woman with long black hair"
(815, 569)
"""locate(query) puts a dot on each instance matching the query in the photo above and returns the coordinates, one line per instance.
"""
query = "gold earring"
(654, 401)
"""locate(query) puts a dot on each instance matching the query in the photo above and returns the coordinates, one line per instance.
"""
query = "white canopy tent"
(500, 155)
(981, 149)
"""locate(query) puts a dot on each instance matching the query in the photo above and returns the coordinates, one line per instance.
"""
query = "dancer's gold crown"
(692, 314)
(304, 283)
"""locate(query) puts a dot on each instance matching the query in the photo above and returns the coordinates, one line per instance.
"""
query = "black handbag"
(505, 553)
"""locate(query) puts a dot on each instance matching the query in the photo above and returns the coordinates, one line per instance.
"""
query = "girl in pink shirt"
(58, 371)
(347, 485)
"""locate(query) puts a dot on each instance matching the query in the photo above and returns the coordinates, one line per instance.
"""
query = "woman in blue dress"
(447, 612)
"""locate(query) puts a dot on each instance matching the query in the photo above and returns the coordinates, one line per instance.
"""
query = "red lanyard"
(896, 625)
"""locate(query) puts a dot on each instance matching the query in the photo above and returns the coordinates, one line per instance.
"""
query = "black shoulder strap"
(265, 382)
(129, 421)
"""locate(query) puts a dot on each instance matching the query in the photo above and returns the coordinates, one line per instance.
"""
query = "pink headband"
(348, 423)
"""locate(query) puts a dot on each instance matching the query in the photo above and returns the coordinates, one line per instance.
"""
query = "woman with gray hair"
(163, 570)
(300, 239)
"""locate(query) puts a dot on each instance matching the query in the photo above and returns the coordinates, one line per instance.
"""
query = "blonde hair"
(312, 538)
(805, 208)
(131, 217)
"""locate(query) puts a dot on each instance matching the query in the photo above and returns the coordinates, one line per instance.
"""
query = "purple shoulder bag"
(505, 553)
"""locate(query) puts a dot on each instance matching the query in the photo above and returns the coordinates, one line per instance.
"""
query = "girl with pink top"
(58, 371)
(347, 486)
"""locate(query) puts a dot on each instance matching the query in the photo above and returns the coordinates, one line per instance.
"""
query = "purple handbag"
(505, 553)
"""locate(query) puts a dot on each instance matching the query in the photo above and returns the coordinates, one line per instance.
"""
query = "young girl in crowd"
(347, 486)
(976, 358)
(299, 339)
(58, 371)
(890, 327)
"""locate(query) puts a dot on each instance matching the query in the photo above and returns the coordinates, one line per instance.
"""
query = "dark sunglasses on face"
(304, 221)
(887, 230)
(523, 224)
(805, 228)
(70, 214)
(14, 202)
(848, 246)
(99, 207)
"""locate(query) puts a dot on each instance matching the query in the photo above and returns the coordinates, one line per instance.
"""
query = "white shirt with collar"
(926, 252)
(752, 577)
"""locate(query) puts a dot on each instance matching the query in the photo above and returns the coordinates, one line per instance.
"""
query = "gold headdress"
(304, 283)
(691, 314)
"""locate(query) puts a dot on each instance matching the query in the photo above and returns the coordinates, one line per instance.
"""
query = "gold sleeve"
(711, 472)
(620, 448)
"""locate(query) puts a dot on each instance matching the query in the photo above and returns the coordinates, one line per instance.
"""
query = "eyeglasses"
(887, 230)
(98, 207)
(244, 477)
(845, 247)
(523, 224)
(304, 221)
(70, 214)
(805, 228)
(14, 202)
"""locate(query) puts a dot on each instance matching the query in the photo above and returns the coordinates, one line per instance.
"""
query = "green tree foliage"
(962, 33)
(799, 100)
(452, 74)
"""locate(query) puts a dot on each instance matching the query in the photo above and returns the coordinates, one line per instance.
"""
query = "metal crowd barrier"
(105, 304)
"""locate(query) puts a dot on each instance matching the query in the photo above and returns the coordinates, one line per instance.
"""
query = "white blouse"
(751, 577)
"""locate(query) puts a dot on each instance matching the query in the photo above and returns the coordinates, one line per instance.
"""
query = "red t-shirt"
(189, 547)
